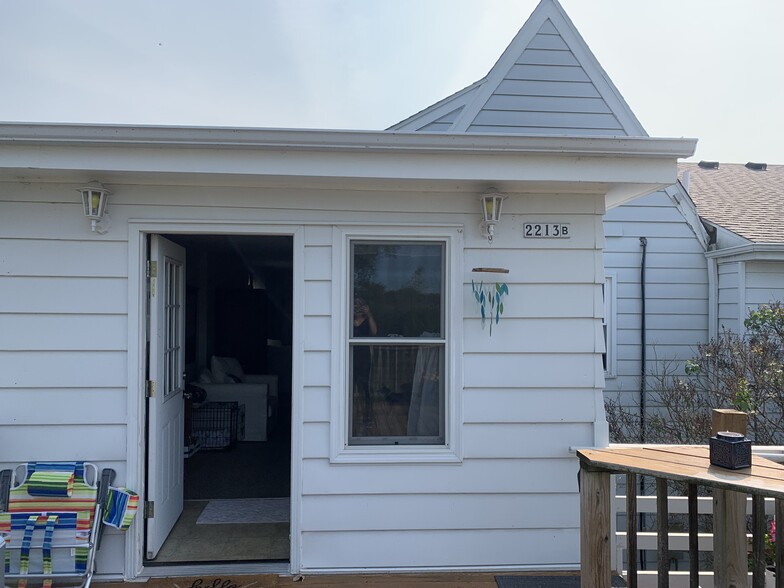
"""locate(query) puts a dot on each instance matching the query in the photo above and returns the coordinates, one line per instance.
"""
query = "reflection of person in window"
(364, 326)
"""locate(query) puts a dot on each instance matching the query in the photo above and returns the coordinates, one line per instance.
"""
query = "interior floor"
(246, 470)
(190, 542)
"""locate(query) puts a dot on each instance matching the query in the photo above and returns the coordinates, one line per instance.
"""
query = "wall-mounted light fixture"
(94, 198)
(491, 211)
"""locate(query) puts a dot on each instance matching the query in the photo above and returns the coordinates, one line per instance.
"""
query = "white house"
(416, 440)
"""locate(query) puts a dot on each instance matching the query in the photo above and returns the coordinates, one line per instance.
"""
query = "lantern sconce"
(491, 211)
(94, 199)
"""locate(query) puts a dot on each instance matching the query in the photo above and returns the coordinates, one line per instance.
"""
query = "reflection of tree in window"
(403, 284)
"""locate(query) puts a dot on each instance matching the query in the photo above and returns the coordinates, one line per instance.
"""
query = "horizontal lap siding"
(729, 296)
(447, 548)
(528, 396)
(676, 289)
(63, 338)
(407, 512)
(764, 282)
(547, 92)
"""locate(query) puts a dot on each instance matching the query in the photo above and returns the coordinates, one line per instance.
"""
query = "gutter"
(750, 252)
(338, 140)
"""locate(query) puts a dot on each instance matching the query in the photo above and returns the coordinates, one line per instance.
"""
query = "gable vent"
(709, 164)
(757, 166)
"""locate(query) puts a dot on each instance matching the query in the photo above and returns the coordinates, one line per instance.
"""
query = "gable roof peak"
(546, 81)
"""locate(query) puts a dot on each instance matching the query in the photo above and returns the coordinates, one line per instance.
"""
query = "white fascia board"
(339, 140)
(685, 205)
(750, 252)
(364, 155)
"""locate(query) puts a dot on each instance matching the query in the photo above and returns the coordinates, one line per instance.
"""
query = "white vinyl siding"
(676, 288)
(730, 282)
(744, 286)
(529, 392)
(547, 91)
(764, 282)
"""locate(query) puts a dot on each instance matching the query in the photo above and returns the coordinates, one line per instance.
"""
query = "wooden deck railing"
(647, 539)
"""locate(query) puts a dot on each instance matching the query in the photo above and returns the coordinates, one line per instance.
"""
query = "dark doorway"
(239, 298)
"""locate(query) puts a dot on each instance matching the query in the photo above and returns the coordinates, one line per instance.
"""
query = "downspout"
(643, 337)
(643, 383)
(713, 299)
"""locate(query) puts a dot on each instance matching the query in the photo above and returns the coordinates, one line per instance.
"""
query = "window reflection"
(402, 284)
(398, 392)
(397, 386)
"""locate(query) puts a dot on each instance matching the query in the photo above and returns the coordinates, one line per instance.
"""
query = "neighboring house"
(418, 441)
(707, 249)
(742, 207)
(657, 289)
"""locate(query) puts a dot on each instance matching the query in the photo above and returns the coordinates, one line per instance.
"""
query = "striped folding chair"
(52, 523)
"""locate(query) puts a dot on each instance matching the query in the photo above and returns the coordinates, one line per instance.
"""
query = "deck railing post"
(730, 560)
(595, 511)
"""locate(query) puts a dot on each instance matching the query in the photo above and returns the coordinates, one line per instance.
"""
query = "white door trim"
(137, 307)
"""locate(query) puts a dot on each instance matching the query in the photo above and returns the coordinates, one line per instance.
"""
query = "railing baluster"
(757, 540)
(694, 546)
(631, 530)
(663, 528)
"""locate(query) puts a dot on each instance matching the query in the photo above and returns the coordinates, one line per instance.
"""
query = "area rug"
(245, 510)
(546, 581)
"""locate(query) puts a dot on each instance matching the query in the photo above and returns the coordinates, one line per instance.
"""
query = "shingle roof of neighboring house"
(748, 202)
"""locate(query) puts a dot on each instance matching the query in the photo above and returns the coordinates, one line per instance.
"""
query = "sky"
(707, 69)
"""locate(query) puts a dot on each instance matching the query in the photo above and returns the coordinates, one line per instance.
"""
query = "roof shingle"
(745, 201)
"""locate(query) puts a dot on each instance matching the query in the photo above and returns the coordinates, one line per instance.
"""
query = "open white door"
(166, 410)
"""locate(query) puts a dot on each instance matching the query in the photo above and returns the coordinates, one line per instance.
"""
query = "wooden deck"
(445, 580)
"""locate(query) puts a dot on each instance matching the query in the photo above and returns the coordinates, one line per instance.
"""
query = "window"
(397, 342)
(608, 325)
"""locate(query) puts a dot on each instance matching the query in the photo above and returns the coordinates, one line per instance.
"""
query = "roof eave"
(338, 140)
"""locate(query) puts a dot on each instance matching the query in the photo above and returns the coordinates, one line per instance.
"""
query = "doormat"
(547, 581)
(245, 510)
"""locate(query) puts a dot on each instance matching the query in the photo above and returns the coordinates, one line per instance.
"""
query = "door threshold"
(213, 569)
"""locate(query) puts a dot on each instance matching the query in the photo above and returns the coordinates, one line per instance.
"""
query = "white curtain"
(423, 414)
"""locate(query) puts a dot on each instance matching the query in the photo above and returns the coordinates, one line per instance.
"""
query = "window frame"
(450, 237)
(609, 324)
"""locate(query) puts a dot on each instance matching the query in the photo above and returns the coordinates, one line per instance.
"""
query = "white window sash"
(450, 451)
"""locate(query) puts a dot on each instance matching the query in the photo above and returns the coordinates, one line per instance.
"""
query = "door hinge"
(152, 269)
(149, 388)
(149, 509)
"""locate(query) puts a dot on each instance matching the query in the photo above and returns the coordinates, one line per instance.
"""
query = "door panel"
(165, 435)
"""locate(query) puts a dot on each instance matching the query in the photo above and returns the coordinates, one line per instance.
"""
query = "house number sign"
(546, 231)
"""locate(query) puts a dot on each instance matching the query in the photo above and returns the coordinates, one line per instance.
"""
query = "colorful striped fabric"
(121, 506)
(84, 492)
(51, 483)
